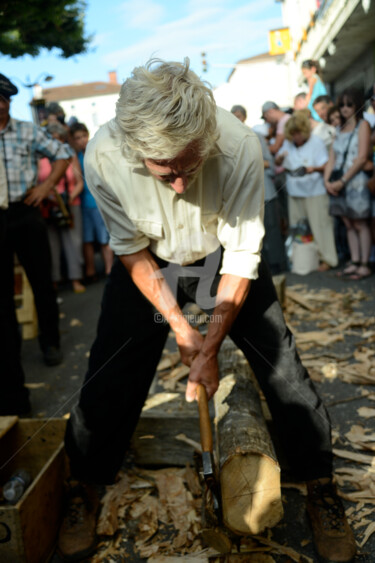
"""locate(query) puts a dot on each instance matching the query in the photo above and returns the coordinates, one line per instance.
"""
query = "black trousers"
(24, 233)
(126, 352)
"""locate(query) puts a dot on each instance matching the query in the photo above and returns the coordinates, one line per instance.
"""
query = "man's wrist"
(179, 324)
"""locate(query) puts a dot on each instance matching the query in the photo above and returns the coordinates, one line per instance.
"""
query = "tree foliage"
(28, 26)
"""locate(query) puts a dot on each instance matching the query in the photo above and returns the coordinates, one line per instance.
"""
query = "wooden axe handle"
(204, 419)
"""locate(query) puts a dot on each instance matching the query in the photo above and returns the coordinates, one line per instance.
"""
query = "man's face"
(239, 116)
(270, 116)
(80, 140)
(299, 103)
(321, 109)
(178, 172)
(4, 108)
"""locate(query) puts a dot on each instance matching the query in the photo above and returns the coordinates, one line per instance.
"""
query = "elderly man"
(24, 233)
(180, 185)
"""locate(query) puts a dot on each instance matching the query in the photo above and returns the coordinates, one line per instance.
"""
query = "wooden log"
(249, 471)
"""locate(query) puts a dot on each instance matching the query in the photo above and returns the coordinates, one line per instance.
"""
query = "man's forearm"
(35, 195)
(58, 168)
(232, 292)
(148, 277)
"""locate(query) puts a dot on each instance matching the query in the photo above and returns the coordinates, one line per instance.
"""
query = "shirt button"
(180, 226)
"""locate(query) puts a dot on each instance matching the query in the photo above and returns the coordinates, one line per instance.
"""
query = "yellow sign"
(279, 41)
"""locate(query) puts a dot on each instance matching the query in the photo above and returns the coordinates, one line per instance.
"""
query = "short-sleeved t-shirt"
(312, 153)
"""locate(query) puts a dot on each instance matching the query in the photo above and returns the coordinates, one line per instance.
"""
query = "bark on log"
(249, 471)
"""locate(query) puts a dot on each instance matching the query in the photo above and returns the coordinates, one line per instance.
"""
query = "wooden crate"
(25, 306)
(28, 530)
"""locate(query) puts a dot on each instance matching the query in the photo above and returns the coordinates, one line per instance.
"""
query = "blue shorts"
(94, 228)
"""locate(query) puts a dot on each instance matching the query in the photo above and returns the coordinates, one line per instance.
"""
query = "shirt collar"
(10, 126)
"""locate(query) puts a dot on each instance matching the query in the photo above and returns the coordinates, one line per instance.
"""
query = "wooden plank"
(6, 422)
(279, 282)
(25, 307)
(41, 509)
(249, 471)
(155, 441)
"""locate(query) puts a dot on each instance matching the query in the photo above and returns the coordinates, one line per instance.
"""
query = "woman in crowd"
(304, 157)
(311, 72)
(334, 116)
(350, 195)
(68, 239)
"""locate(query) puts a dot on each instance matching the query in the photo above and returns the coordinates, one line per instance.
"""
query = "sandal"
(363, 271)
(350, 269)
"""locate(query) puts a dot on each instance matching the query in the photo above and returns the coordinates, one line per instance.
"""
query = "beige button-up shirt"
(222, 206)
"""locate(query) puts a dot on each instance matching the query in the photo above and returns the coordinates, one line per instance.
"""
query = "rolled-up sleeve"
(124, 236)
(240, 224)
(44, 145)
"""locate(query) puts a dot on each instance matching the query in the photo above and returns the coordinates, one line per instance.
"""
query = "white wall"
(93, 111)
(257, 82)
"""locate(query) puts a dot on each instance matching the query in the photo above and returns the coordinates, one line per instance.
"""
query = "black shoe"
(77, 537)
(52, 356)
(333, 538)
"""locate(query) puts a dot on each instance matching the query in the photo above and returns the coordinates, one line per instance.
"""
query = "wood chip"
(361, 458)
(169, 361)
(366, 412)
(284, 550)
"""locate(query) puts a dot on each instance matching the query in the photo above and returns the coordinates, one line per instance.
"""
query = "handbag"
(60, 215)
(338, 173)
(298, 172)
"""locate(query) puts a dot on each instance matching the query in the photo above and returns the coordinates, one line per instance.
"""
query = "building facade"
(91, 103)
(256, 80)
(339, 34)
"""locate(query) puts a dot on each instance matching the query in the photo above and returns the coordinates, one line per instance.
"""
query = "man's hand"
(205, 370)
(35, 195)
(190, 343)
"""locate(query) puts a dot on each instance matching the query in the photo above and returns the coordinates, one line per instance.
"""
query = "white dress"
(354, 201)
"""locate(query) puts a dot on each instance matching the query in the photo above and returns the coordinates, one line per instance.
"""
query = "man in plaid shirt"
(24, 232)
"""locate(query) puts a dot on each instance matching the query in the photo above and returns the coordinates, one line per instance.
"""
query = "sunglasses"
(346, 104)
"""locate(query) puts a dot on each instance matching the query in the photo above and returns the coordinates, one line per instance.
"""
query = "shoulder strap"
(348, 145)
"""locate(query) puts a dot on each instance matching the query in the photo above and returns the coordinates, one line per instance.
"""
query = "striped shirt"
(22, 144)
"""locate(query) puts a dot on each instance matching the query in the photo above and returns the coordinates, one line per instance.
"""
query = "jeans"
(24, 233)
(128, 347)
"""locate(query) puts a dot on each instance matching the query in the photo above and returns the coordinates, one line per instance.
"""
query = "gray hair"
(162, 108)
(239, 109)
(57, 129)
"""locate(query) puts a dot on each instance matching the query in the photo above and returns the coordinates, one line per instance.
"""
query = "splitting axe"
(212, 533)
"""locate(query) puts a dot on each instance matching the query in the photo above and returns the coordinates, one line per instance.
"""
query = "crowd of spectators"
(319, 168)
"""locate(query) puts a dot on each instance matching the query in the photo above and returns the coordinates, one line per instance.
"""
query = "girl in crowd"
(350, 195)
(311, 72)
(304, 157)
(334, 116)
(67, 239)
